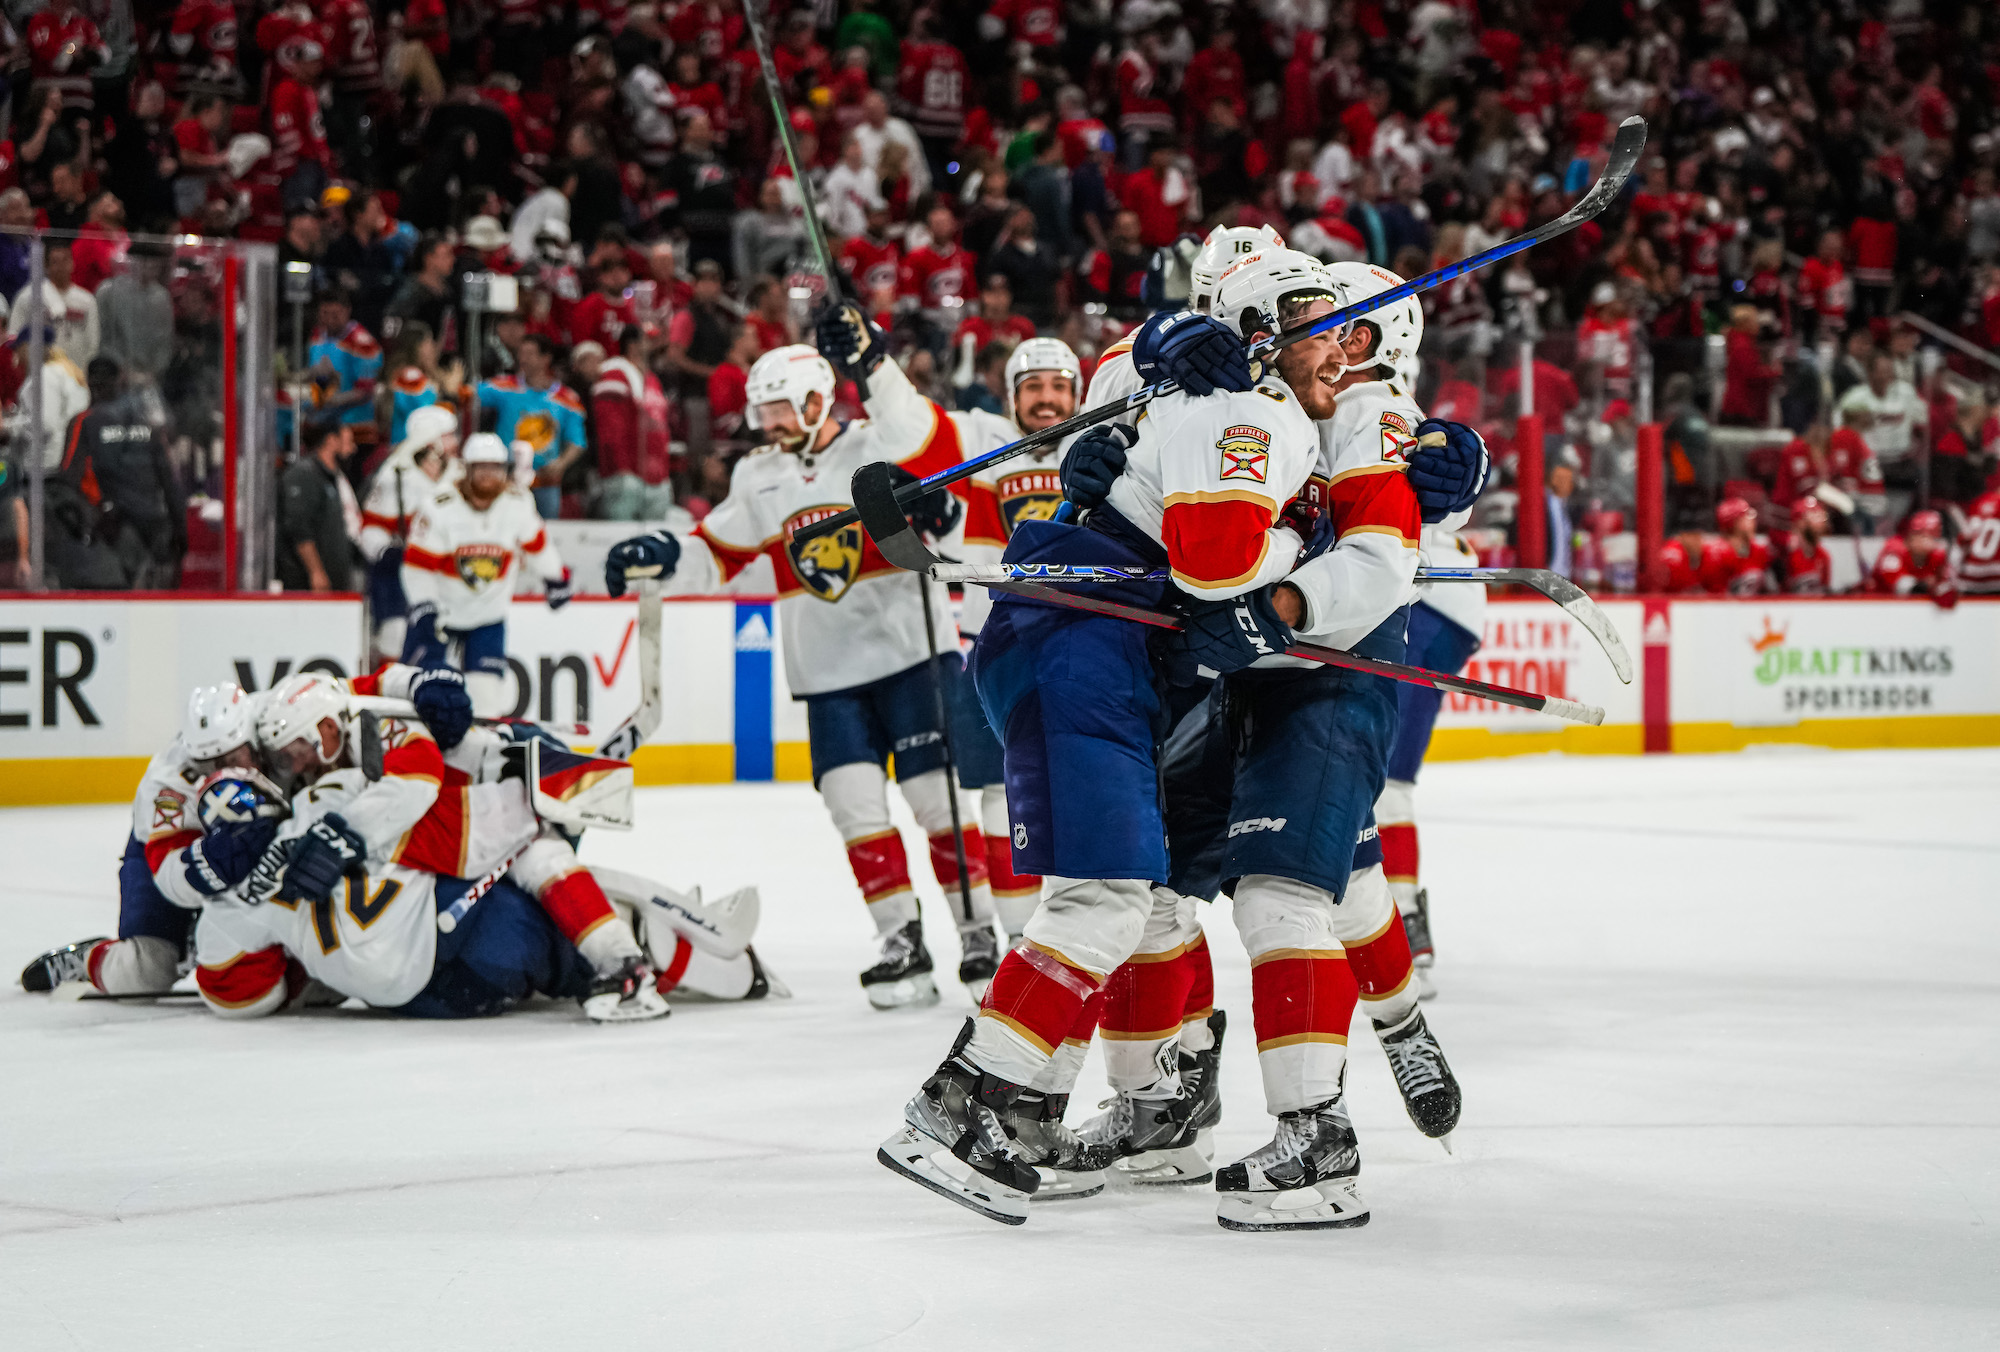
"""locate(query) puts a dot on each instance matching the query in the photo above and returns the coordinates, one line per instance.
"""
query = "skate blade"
(976, 991)
(1426, 988)
(1445, 1141)
(926, 1160)
(1181, 1166)
(1061, 1185)
(912, 992)
(1331, 1205)
(608, 1008)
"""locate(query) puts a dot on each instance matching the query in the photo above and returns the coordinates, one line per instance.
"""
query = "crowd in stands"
(1816, 218)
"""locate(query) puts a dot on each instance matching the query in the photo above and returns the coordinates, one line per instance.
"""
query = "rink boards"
(90, 688)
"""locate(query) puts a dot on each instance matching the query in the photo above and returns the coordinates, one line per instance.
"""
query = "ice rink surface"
(1727, 1028)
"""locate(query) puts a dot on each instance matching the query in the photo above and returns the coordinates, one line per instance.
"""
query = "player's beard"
(1045, 414)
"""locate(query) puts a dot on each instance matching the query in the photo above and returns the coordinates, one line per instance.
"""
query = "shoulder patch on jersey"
(1246, 452)
(1399, 439)
(168, 808)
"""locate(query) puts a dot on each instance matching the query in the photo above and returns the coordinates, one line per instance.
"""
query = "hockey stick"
(1631, 139)
(645, 720)
(875, 498)
(1555, 586)
(950, 758)
(385, 707)
(815, 232)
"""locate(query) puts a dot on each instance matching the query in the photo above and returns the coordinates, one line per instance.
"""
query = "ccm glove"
(443, 704)
(560, 591)
(935, 513)
(1225, 636)
(1448, 470)
(423, 646)
(1197, 351)
(848, 339)
(1094, 463)
(655, 555)
(224, 857)
(327, 852)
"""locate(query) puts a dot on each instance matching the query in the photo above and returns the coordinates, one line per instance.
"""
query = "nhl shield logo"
(480, 566)
(827, 565)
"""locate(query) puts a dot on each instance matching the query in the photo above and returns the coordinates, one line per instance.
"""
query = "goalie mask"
(789, 375)
(234, 797)
(1226, 245)
(1043, 354)
(1399, 328)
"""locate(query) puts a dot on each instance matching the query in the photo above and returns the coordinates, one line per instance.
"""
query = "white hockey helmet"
(1399, 327)
(427, 427)
(483, 448)
(1043, 354)
(1224, 245)
(295, 708)
(219, 719)
(787, 375)
(1251, 293)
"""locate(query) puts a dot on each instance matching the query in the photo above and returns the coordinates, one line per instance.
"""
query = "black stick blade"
(874, 490)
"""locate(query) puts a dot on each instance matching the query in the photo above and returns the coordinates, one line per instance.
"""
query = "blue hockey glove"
(935, 513)
(1224, 636)
(1196, 350)
(1094, 463)
(327, 852)
(423, 646)
(1448, 470)
(560, 591)
(224, 857)
(443, 705)
(655, 555)
(848, 339)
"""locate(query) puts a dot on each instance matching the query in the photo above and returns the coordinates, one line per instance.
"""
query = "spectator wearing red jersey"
(1079, 132)
(605, 314)
(800, 61)
(1957, 450)
(1145, 118)
(1738, 564)
(1751, 371)
(1216, 72)
(693, 92)
(64, 46)
(1115, 275)
(1824, 292)
(1836, 458)
(202, 164)
(770, 316)
(873, 259)
(1917, 562)
(1979, 570)
(102, 243)
(996, 320)
(938, 276)
(728, 386)
(629, 415)
(1808, 570)
(1679, 564)
(354, 68)
(1555, 392)
(300, 158)
(1162, 196)
(1872, 236)
(1032, 23)
(1605, 339)
(201, 45)
(931, 84)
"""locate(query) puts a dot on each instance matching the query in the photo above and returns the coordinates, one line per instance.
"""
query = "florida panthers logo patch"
(829, 564)
(1246, 452)
(480, 566)
(538, 429)
(1032, 495)
(1399, 439)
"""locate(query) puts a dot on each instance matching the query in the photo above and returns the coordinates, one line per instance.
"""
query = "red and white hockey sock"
(140, 965)
(944, 865)
(1067, 1062)
(1196, 1035)
(1301, 991)
(1015, 895)
(1143, 1004)
(691, 969)
(883, 872)
(1031, 1007)
(1378, 949)
(1396, 824)
(587, 919)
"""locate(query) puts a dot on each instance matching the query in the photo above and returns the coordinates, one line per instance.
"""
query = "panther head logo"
(538, 429)
(827, 565)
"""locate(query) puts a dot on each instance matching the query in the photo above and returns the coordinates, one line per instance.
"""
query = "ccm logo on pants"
(1244, 828)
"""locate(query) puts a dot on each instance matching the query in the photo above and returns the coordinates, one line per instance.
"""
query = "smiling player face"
(1313, 367)
(1043, 399)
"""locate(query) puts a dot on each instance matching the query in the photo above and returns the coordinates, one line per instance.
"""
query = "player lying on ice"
(856, 646)
(1229, 492)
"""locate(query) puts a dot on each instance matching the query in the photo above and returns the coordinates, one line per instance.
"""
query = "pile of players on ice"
(369, 840)
(1111, 777)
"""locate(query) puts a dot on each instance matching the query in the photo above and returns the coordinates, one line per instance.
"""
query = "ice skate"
(979, 959)
(903, 977)
(954, 1141)
(627, 995)
(1430, 1093)
(1417, 929)
(1151, 1133)
(71, 962)
(1068, 1165)
(1307, 1178)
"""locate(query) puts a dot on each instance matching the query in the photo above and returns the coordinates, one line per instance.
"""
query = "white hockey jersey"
(999, 497)
(464, 560)
(397, 491)
(847, 615)
(1463, 603)
(163, 810)
(1114, 377)
(1208, 478)
(1362, 477)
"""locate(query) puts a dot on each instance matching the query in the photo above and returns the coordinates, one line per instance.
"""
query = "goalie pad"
(720, 928)
(576, 791)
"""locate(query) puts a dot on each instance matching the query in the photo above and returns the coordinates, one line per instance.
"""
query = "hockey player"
(408, 478)
(421, 812)
(1979, 534)
(1917, 562)
(854, 629)
(1076, 703)
(459, 572)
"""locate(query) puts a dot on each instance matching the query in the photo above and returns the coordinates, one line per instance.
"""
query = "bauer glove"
(655, 555)
(1196, 351)
(935, 513)
(324, 855)
(1448, 470)
(1094, 463)
(443, 704)
(1219, 637)
(849, 340)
